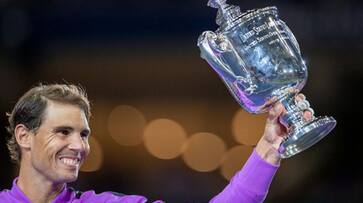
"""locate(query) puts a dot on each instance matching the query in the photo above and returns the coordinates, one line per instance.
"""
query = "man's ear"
(23, 136)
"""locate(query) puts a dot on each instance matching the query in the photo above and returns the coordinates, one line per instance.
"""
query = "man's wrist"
(269, 151)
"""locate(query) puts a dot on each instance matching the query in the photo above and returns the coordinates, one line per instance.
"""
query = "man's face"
(60, 144)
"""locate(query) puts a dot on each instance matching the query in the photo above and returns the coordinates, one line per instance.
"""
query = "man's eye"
(84, 135)
(64, 132)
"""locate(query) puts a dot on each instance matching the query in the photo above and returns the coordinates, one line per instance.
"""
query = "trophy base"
(306, 136)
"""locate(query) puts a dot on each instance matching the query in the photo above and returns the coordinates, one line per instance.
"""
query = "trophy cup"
(259, 60)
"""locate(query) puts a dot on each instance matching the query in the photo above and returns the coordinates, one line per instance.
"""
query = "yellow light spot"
(95, 158)
(248, 128)
(126, 125)
(164, 138)
(203, 151)
(234, 159)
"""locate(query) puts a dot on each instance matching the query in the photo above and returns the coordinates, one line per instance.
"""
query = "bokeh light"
(234, 159)
(204, 151)
(164, 138)
(126, 125)
(95, 158)
(248, 128)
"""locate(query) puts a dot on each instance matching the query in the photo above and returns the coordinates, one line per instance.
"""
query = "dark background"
(140, 52)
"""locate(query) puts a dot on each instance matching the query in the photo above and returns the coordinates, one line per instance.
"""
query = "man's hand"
(275, 132)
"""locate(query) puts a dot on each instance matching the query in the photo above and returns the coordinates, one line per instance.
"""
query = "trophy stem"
(302, 134)
(293, 117)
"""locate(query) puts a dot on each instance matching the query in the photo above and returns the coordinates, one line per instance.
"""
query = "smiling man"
(49, 140)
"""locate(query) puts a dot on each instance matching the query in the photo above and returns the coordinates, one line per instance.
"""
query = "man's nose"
(76, 143)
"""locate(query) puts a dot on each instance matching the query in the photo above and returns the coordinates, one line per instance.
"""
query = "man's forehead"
(64, 114)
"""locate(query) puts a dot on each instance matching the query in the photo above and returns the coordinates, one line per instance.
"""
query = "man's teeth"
(70, 162)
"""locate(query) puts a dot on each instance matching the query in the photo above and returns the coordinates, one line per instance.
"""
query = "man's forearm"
(268, 151)
(249, 185)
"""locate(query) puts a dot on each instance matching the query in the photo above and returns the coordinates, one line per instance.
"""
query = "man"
(49, 140)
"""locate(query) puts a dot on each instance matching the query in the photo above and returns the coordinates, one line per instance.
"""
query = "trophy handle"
(219, 53)
(212, 48)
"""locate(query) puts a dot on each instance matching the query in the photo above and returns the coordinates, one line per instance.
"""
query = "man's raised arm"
(252, 182)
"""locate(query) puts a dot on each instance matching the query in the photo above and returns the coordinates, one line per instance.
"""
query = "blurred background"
(164, 125)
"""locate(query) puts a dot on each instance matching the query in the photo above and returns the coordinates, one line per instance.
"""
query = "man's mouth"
(70, 161)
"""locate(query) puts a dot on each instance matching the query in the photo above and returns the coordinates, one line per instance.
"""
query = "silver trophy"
(259, 60)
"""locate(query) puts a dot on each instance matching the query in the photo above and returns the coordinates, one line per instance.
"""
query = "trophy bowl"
(258, 58)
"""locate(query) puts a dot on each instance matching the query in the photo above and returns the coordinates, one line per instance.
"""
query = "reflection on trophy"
(259, 60)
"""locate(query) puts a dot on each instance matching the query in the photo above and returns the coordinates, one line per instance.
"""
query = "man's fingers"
(308, 114)
(300, 97)
(274, 113)
(304, 106)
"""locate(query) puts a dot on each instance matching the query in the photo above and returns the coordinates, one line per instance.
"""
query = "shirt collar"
(19, 195)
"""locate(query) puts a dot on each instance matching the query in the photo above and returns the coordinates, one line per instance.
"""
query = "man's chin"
(72, 177)
(67, 174)
(67, 177)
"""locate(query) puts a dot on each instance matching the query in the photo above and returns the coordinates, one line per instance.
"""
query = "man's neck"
(36, 187)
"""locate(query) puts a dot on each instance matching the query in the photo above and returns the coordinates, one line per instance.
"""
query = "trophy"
(259, 60)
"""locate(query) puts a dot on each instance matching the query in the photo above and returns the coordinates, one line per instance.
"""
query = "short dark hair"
(30, 109)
